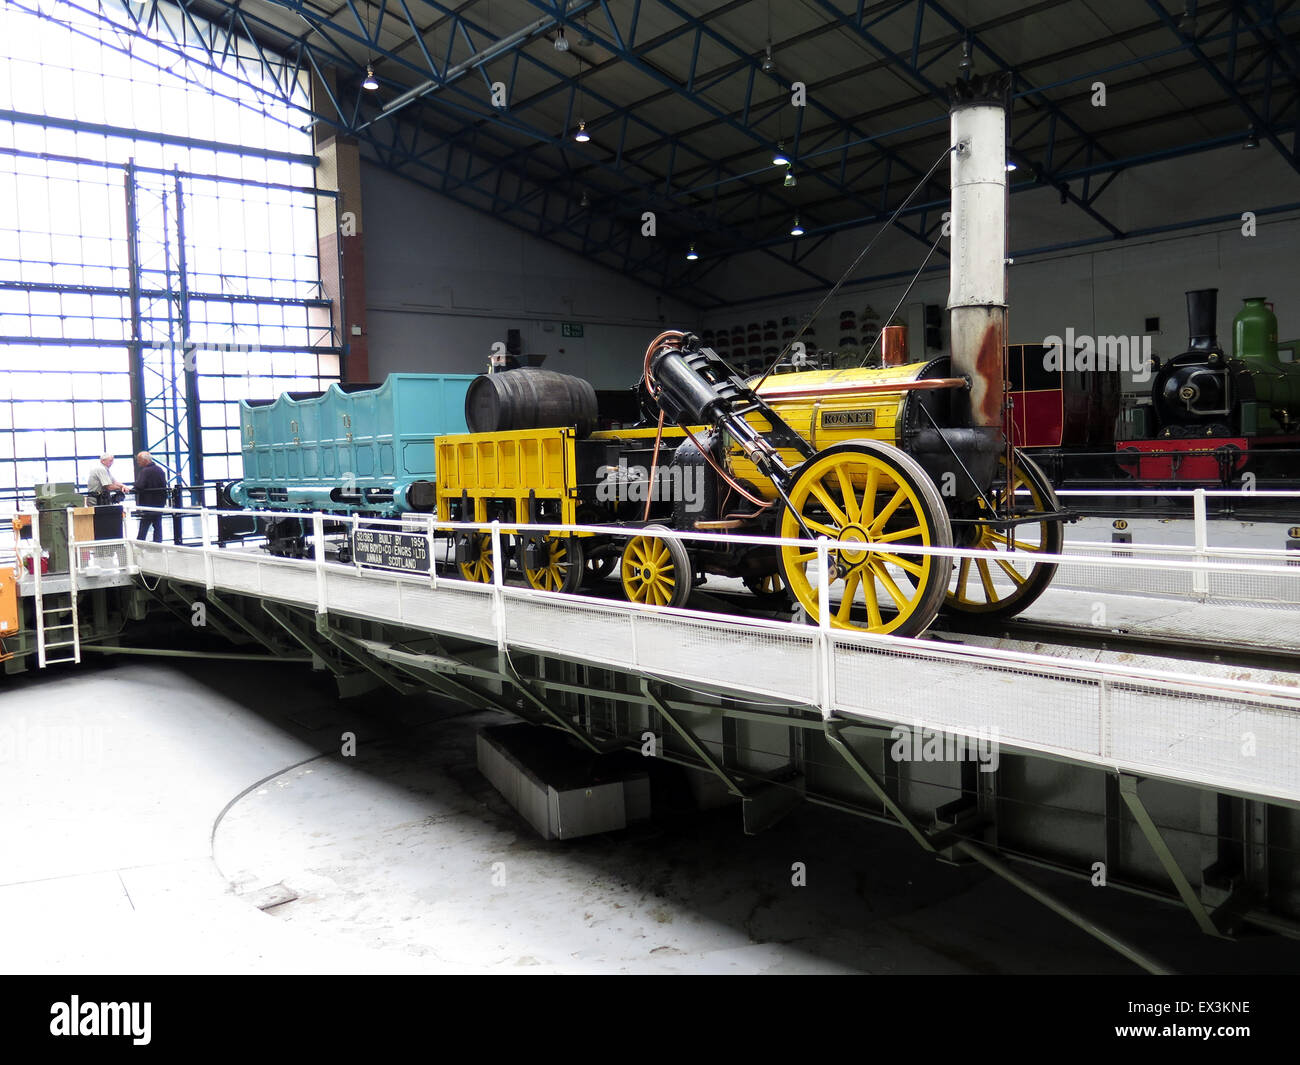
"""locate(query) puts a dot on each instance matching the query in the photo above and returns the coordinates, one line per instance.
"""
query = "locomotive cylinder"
(977, 299)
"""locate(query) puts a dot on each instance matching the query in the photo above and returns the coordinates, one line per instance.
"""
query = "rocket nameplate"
(848, 419)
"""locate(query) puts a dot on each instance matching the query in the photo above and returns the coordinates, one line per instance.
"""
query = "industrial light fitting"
(779, 158)
(1252, 139)
(790, 180)
(1010, 166)
(1187, 21)
(796, 230)
(580, 134)
(691, 252)
(586, 40)
(585, 201)
(371, 83)
(769, 64)
(561, 41)
(964, 65)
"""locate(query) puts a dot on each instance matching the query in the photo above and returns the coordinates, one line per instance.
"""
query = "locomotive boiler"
(875, 461)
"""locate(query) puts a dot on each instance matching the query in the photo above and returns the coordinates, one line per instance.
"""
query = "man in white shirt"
(100, 483)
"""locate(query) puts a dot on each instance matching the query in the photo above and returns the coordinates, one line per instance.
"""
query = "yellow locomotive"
(885, 464)
(869, 459)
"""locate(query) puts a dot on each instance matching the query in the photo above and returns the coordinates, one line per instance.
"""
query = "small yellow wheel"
(770, 586)
(656, 570)
(562, 566)
(1006, 585)
(859, 493)
(479, 570)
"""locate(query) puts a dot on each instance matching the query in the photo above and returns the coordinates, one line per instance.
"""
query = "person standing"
(101, 484)
(150, 491)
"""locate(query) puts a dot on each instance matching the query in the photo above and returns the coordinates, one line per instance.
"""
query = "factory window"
(158, 212)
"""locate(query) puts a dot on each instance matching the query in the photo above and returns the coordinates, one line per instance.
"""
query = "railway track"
(1192, 649)
(1058, 634)
(726, 598)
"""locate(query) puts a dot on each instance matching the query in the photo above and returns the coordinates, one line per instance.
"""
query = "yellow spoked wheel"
(1004, 586)
(656, 571)
(480, 570)
(859, 493)
(769, 586)
(562, 565)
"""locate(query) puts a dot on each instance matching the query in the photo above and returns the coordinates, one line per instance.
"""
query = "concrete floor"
(154, 806)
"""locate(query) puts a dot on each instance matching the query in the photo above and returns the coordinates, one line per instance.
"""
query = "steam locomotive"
(1211, 414)
(872, 461)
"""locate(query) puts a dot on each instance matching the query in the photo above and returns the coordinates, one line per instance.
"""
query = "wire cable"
(906, 292)
(856, 262)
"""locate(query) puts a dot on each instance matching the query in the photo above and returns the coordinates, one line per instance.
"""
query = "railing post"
(1103, 710)
(128, 516)
(823, 584)
(318, 553)
(498, 585)
(433, 561)
(205, 519)
(72, 587)
(72, 544)
(352, 547)
(38, 600)
(1200, 579)
(824, 624)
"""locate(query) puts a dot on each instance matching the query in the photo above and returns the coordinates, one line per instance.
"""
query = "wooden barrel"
(529, 398)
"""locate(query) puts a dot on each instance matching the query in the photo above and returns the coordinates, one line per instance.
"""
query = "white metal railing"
(1198, 499)
(1205, 575)
(198, 563)
(1126, 556)
(203, 558)
(1179, 725)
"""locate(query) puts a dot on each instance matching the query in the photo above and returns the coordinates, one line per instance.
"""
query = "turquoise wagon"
(349, 451)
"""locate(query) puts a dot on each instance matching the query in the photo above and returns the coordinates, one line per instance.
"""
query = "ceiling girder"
(506, 163)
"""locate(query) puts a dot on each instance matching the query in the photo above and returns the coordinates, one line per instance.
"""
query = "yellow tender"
(507, 466)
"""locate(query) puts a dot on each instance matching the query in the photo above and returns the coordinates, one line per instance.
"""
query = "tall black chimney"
(1202, 318)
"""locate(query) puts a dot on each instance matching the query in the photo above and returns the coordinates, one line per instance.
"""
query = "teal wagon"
(367, 451)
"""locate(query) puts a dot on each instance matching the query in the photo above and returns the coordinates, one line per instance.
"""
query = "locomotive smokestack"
(977, 297)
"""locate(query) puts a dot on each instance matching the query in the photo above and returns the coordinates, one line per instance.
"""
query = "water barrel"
(529, 398)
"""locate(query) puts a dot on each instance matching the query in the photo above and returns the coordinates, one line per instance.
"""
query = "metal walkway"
(1235, 737)
(1180, 785)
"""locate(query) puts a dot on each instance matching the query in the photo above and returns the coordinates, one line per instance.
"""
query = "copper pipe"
(924, 384)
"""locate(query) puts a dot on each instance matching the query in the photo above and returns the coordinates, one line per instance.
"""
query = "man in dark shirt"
(150, 491)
